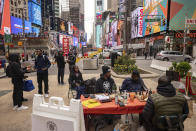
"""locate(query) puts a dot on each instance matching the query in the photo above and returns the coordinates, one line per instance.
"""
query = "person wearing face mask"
(76, 81)
(134, 84)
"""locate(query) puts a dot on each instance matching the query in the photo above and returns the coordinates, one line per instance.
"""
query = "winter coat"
(17, 73)
(72, 60)
(42, 62)
(166, 102)
(60, 61)
(105, 85)
(73, 79)
(132, 86)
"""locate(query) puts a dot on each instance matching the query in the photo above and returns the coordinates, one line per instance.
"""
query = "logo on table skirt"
(51, 126)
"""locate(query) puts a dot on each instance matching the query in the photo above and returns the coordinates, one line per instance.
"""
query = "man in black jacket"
(17, 75)
(42, 64)
(61, 67)
(71, 61)
(105, 84)
(166, 102)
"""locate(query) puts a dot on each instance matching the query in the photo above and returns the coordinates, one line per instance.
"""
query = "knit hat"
(106, 69)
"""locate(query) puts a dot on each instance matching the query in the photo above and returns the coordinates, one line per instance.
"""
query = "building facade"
(16, 12)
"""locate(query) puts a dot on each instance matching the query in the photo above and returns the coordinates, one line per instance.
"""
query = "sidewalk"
(164, 65)
(21, 120)
(2, 73)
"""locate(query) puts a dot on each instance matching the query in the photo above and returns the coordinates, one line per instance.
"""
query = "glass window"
(12, 2)
(15, 4)
(165, 52)
(172, 53)
(178, 53)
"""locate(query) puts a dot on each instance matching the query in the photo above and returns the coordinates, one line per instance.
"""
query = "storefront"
(178, 43)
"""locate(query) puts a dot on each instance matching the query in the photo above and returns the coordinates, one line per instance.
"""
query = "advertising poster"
(1, 11)
(75, 42)
(154, 10)
(137, 23)
(35, 13)
(17, 27)
(179, 10)
(66, 46)
(70, 26)
(36, 30)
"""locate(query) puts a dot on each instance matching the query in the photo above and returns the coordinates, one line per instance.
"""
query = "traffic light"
(164, 21)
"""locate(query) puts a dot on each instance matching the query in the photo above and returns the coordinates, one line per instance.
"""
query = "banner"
(179, 10)
(137, 23)
(65, 46)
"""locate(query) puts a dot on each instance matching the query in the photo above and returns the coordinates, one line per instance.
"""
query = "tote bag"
(28, 85)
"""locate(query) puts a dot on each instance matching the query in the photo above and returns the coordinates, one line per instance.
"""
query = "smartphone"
(1, 12)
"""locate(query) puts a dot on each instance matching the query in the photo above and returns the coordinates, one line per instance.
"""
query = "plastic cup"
(132, 96)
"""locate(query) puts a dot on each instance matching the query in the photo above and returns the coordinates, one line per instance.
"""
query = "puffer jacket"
(148, 115)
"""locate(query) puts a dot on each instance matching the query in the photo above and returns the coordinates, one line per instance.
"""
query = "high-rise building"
(65, 10)
(16, 7)
(76, 9)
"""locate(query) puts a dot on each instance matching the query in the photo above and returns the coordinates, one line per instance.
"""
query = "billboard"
(36, 30)
(5, 17)
(155, 16)
(75, 41)
(137, 23)
(35, 13)
(179, 10)
(36, 1)
(17, 27)
(1, 11)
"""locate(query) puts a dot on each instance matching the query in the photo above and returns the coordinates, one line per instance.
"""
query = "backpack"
(9, 71)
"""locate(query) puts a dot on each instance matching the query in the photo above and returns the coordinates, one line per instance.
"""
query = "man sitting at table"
(166, 110)
(133, 84)
(105, 84)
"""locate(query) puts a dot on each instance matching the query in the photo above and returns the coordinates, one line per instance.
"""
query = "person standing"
(17, 75)
(146, 55)
(42, 64)
(61, 67)
(71, 61)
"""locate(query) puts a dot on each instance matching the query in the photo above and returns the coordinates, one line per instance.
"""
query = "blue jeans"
(80, 91)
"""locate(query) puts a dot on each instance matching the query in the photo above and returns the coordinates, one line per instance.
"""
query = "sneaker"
(23, 108)
(24, 99)
(15, 108)
(46, 95)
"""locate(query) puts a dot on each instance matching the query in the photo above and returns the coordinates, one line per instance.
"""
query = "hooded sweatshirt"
(105, 85)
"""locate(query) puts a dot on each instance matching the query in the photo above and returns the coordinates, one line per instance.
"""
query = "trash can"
(114, 56)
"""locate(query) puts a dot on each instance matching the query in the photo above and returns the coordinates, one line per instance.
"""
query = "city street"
(21, 120)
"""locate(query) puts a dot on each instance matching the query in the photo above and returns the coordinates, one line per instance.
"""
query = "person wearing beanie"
(105, 84)
(133, 84)
(165, 106)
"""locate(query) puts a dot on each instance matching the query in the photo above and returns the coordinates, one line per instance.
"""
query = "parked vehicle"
(106, 53)
(176, 56)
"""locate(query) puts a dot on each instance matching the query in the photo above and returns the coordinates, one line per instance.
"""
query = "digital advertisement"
(35, 13)
(155, 16)
(17, 27)
(1, 11)
(181, 9)
(36, 30)
(137, 23)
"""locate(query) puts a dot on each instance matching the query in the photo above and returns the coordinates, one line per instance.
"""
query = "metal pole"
(185, 32)
(125, 30)
(23, 31)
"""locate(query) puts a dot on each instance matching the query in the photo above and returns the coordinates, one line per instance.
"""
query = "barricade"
(55, 116)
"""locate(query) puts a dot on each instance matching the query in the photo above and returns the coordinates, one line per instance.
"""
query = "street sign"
(7, 38)
(153, 20)
(190, 21)
(20, 43)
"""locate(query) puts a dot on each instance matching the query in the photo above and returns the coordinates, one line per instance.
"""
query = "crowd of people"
(166, 103)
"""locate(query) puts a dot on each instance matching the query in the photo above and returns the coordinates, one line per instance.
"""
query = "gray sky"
(89, 13)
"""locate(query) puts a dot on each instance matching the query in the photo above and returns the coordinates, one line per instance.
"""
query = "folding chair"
(72, 91)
